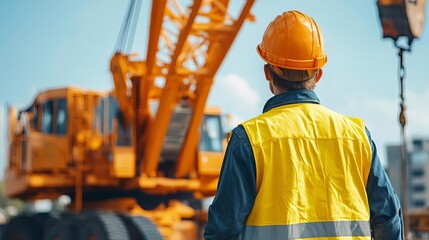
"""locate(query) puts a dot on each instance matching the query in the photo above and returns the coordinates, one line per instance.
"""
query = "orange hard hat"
(293, 41)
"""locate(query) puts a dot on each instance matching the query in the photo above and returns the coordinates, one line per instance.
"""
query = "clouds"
(236, 96)
(240, 89)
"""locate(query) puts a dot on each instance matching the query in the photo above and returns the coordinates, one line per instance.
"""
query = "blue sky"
(50, 44)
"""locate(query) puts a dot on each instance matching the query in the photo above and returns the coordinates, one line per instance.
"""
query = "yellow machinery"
(136, 161)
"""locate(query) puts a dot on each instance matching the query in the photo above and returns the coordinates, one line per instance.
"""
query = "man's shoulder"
(239, 131)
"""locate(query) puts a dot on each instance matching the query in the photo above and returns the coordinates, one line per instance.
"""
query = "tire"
(22, 228)
(104, 226)
(63, 230)
(141, 228)
(46, 220)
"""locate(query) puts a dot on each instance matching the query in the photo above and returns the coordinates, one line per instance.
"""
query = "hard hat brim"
(315, 63)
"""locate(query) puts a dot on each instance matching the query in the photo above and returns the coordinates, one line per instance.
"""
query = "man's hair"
(285, 84)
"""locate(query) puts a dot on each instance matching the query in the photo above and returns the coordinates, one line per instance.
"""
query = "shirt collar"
(291, 97)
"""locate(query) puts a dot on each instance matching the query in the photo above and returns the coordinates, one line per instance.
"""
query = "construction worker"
(300, 170)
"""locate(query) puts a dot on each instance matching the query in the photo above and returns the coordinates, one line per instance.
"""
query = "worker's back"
(312, 166)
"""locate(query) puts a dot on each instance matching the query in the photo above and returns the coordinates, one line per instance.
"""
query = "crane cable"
(402, 122)
(126, 34)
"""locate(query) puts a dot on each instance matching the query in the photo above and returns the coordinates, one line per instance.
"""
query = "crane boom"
(186, 47)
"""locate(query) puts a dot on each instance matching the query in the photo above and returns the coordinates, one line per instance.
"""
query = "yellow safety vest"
(312, 166)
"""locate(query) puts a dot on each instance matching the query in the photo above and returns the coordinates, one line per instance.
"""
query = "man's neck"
(277, 90)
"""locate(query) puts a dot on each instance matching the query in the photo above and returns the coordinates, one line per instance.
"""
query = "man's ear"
(267, 72)
(319, 75)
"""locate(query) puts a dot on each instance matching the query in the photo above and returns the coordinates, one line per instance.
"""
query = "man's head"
(292, 46)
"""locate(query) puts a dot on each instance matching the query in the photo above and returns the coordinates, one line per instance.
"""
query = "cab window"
(61, 117)
(35, 111)
(123, 130)
(48, 108)
(211, 134)
(54, 117)
(107, 112)
(100, 117)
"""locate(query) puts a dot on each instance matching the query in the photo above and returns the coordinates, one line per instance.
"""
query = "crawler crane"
(135, 161)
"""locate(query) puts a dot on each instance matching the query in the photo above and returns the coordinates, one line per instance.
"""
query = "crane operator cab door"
(212, 143)
(117, 137)
(53, 128)
(45, 145)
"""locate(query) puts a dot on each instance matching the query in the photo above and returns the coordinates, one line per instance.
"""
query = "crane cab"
(69, 130)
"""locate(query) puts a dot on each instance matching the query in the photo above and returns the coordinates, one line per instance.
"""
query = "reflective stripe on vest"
(309, 230)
